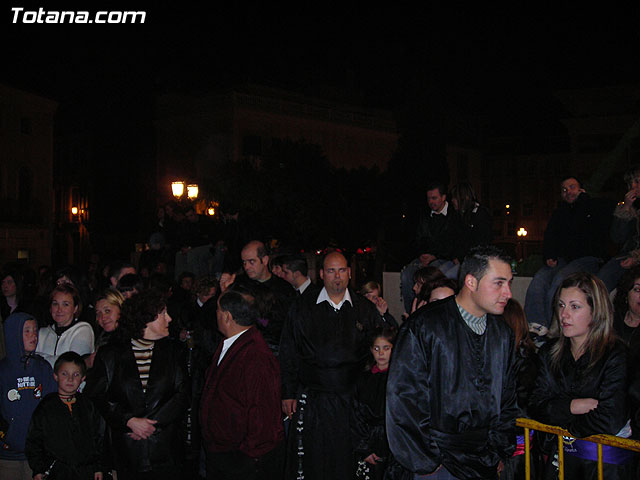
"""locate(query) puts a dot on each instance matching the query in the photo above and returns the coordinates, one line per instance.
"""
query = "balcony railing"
(600, 440)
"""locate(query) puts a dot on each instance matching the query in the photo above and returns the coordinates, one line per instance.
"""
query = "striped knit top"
(143, 351)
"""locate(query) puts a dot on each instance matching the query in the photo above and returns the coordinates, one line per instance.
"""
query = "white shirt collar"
(444, 210)
(324, 297)
(226, 345)
(304, 286)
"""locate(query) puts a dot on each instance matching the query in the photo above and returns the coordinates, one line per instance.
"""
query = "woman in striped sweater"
(140, 386)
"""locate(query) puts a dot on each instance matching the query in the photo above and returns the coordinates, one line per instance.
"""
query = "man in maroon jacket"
(240, 409)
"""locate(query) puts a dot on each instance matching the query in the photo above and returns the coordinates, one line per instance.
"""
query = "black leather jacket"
(114, 385)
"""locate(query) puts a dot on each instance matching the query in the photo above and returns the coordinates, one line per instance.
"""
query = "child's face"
(381, 351)
(30, 336)
(69, 378)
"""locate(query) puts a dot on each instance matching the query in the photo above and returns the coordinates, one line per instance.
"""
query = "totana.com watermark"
(20, 15)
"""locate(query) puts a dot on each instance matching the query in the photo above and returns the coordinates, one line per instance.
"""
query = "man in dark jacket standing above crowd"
(439, 241)
(574, 241)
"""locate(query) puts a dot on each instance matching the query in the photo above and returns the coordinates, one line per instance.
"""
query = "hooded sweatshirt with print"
(25, 378)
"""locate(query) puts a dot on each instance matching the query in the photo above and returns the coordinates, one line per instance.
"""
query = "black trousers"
(238, 466)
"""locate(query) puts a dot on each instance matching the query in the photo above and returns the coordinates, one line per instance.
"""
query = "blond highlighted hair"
(601, 336)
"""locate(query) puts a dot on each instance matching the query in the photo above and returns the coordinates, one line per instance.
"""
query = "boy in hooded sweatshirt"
(25, 378)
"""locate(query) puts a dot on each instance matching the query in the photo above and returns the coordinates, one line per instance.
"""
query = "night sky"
(372, 53)
(498, 62)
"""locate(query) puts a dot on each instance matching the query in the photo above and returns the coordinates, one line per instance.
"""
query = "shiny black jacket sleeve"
(451, 396)
(408, 420)
(606, 382)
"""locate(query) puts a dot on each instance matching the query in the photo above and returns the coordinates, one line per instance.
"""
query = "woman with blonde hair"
(582, 385)
(108, 306)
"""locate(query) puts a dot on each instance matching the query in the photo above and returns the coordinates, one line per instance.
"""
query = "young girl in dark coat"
(368, 420)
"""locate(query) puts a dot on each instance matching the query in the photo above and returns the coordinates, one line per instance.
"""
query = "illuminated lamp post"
(177, 188)
(192, 191)
(522, 232)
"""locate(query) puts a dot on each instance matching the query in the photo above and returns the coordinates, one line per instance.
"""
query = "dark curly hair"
(621, 300)
(140, 310)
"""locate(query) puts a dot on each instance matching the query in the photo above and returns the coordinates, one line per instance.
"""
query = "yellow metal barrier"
(609, 440)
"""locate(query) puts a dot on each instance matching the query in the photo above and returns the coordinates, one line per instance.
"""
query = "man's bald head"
(335, 273)
(255, 261)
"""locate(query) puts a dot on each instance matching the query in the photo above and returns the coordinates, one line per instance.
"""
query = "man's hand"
(97, 476)
(552, 263)
(372, 459)
(142, 427)
(580, 406)
(289, 407)
(426, 259)
(38, 477)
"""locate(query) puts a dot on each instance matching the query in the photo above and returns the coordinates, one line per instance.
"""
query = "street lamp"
(177, 188)
(74, 210)
(522, 232)
(192, 191)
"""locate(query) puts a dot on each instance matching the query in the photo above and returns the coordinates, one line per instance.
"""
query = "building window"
(527, 209)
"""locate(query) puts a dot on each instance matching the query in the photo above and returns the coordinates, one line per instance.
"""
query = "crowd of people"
(184, 366)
